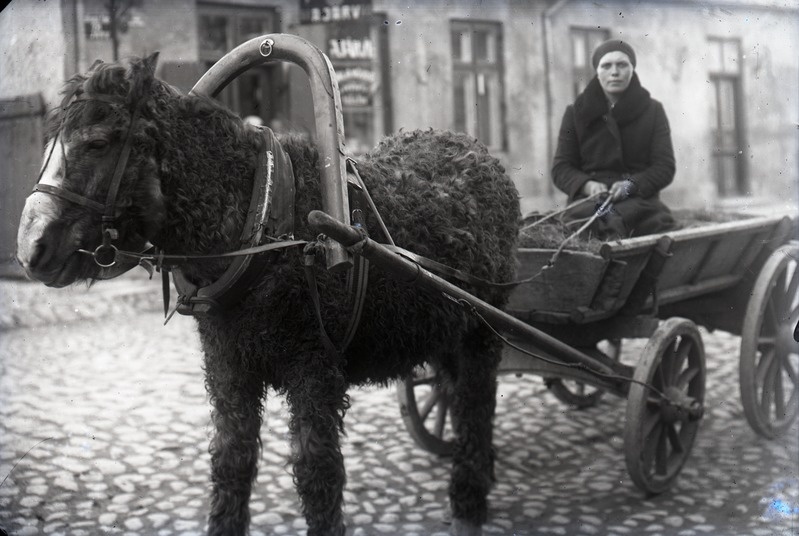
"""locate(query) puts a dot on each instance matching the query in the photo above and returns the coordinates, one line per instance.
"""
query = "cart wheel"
(424, 406)
(769, 367)
(579, 394)
(663, 415)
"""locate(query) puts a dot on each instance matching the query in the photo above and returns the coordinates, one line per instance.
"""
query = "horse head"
(99, 185)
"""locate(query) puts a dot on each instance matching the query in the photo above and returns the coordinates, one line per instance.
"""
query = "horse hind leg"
(474, 401)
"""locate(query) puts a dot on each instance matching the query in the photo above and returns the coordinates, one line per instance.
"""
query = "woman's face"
(614, 71)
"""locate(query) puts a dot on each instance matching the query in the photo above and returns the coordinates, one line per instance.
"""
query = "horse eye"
(98, 144)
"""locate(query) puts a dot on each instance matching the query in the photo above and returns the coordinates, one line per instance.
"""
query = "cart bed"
(584, 287)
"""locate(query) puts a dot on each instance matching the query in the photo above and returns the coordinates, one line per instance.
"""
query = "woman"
(615, 141)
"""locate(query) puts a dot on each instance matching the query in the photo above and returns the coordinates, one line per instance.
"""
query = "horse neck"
(207, 158)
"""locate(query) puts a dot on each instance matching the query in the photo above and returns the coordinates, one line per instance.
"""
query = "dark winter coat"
(630, 141)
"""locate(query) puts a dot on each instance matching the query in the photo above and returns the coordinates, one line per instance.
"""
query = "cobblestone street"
(104, 427)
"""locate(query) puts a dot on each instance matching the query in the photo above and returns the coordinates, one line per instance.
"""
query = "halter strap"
(70, 196)
(122, 161)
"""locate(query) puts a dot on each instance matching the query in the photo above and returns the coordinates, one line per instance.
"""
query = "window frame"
(484, 77)
(728, 70)
(268, 76)
(584, 73)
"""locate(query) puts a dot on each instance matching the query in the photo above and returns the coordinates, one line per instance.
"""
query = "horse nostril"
(40, 255)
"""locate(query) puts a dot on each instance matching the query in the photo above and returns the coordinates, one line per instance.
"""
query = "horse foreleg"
(317, 400)
(473, 407)
(237, 399)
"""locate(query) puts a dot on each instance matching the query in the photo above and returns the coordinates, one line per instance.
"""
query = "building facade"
(726, 71)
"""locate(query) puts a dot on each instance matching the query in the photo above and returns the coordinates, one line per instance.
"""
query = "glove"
(621, 190)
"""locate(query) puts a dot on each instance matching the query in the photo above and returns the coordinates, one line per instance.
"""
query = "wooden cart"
(739, 276)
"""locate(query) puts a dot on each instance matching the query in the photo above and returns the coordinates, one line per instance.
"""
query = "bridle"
(105, 254)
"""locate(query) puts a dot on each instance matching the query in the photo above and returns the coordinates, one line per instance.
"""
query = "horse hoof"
(460, 527)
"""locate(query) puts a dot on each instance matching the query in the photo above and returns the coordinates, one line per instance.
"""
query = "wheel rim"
(659, 435)
(769, 368)
(425, 408)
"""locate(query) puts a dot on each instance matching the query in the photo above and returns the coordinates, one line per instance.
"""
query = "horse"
(132, 163)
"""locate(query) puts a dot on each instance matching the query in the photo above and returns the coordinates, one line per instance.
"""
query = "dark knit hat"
(612, 45)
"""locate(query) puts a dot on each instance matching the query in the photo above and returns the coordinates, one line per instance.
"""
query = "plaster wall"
(34, 49)
(421, 76)
(169, 28)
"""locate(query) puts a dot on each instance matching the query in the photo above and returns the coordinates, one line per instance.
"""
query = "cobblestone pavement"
(104, 428)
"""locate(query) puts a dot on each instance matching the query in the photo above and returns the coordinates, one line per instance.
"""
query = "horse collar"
(270, 216)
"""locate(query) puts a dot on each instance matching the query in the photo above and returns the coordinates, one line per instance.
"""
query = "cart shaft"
(409, 272)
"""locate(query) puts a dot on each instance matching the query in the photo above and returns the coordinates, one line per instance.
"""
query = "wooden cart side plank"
(629, 246)
(569, 284)
(685, 292)
(710, 251)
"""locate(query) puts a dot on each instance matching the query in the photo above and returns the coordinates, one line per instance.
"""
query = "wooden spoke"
(679, 360)
(771, 319)
(650, 450)
(790, 290)
(792, 373)
(659, 381)
(686, 377)
(766, 359)
(651, 420)
(779, 393)
(429, 403)
(674, 438)
(767, 395)
(766, 342)
(664, 369)
(662, 453)
(441, 416)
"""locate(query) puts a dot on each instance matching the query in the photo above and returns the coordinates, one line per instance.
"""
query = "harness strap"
(453, 273)
(175, 260)
(313, 289)
(122, 161)
(351, 163)
(358, 275)
(70, 196)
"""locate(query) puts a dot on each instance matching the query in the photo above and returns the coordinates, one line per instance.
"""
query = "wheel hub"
(677, 406)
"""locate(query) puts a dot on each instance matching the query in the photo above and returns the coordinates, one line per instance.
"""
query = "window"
(256, 92)
(584, 41)
(725, 75)
(478, 85)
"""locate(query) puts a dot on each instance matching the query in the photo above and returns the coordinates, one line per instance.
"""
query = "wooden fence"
(21, 139)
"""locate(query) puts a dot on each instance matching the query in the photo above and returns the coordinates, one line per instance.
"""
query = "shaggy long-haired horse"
(186, 188)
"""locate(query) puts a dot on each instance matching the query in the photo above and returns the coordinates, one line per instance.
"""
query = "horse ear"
(151, 62)
(142, 78)
(94, 65)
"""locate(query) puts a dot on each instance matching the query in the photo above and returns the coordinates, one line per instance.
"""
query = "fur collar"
(591, 104)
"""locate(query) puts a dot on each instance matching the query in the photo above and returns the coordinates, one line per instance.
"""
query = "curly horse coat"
(186, 189)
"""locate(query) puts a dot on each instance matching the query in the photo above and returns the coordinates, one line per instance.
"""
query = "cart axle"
(677, 406)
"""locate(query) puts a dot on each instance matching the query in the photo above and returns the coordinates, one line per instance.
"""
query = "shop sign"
(352, 52)
(327, 11)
